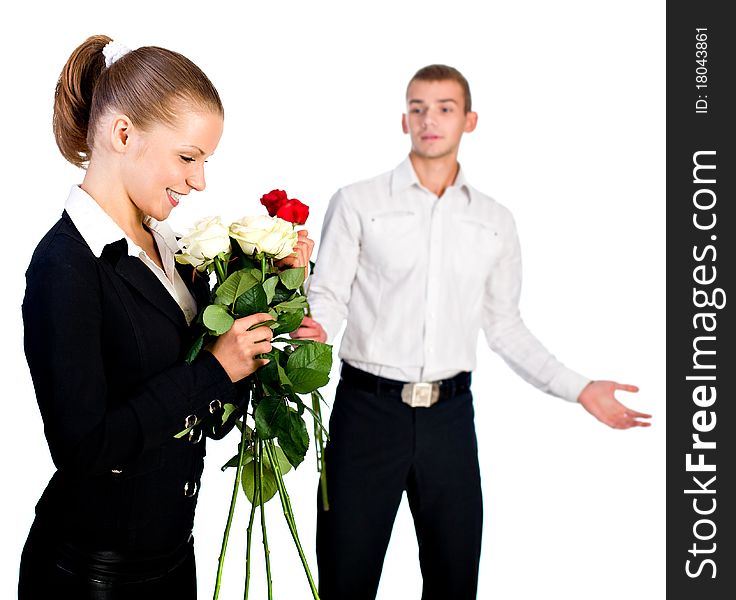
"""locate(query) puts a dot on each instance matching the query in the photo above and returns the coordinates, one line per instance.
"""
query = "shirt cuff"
(568, 384)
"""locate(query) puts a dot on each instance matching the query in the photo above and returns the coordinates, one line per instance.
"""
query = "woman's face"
(166, 162)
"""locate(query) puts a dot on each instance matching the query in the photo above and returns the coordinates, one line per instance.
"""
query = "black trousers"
(380, 447)
(51, 568)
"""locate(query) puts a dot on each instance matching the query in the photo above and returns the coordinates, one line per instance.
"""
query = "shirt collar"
(405, 177)
(98, 229)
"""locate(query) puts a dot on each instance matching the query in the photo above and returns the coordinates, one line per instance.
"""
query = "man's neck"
(435, 174)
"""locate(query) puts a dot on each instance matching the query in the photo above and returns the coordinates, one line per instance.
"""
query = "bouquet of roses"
(244, 258)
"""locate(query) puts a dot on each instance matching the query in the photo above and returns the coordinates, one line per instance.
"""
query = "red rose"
(293, 211)
(273, 201)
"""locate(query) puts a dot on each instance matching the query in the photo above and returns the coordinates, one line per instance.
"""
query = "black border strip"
(701, 260)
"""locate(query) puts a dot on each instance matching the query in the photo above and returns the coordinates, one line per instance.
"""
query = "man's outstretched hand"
(598, 399)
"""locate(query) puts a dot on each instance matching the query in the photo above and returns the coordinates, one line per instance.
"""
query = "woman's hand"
(301, 256)
(237, 349)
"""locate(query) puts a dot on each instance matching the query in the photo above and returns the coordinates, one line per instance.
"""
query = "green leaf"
(252, 301)
(183, 432)
(316, 356)
(268, 374)
(282, 294)
(292, 278)
(272, 324)
(290, 341)
(295, 441)
(318, 421)
(283, 462)
(233, 462)
(271, 416)
(283, 377)
(288, 322)
(298, 303)
(234, 286)
(299, 403)
(227, 410)
(247, 281)
(257, 275)
(269, 286)
(217, 319)
(226, 290)
(307, 380)
(268, 482)
(194, 350)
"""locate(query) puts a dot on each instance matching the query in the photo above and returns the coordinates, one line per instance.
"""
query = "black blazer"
(105, 343)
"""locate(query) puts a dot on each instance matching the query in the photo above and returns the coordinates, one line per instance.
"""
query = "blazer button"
(195, 435)
(190, 489)
(190, 421)
(215, 405)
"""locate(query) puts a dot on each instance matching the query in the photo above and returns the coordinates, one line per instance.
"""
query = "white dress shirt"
(99, 230)
(417, 277)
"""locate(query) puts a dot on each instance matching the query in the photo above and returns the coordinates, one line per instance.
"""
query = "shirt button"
(195, 435)
(190, 421)
(215, 405)
(190, 489)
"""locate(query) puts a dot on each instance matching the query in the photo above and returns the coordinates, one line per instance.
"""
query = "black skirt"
(52, 567)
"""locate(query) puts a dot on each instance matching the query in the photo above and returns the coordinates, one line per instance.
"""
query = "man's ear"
(120, 129)
(404, 124)
(471, 120)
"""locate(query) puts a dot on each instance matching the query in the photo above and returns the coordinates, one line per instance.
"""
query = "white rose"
(202, 244)
(270, 235)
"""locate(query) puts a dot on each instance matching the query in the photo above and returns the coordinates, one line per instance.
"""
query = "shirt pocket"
(477, 241)
(478, 245)
(393, 240)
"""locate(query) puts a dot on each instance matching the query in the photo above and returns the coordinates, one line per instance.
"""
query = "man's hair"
(443, 73)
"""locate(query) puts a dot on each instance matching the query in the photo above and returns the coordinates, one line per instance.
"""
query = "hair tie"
(114, 50)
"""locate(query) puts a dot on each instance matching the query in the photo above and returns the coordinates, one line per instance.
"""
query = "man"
(390, 263)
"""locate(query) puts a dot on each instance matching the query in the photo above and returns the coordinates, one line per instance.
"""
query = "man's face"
(435, 118)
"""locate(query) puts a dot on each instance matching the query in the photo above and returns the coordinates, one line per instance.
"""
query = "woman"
(106, 316)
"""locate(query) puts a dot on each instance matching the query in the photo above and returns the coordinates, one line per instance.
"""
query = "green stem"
(308, 310)
(220, 270)
(319, 447)
(226, 536)
(289, 514)
(249, 535)
(263, 519)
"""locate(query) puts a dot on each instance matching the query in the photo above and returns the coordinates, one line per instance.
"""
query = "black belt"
(367, 382)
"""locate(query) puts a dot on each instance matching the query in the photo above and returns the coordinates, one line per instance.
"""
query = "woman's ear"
(120, 129)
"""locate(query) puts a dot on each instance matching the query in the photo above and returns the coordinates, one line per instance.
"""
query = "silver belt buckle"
(420, 395)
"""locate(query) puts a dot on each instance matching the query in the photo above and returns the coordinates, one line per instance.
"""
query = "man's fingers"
(625, 387)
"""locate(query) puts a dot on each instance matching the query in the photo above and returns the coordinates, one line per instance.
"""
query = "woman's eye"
(187, 159)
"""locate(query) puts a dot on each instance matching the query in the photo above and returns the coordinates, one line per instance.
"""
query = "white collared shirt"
(417, 277)
(99, 230)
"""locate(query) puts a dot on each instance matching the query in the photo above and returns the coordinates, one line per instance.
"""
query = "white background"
(570, 137)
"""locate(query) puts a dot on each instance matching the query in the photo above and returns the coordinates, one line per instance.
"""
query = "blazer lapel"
(143, 281)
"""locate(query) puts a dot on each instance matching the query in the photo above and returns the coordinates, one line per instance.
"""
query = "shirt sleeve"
(337, 263)
(507, 334)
